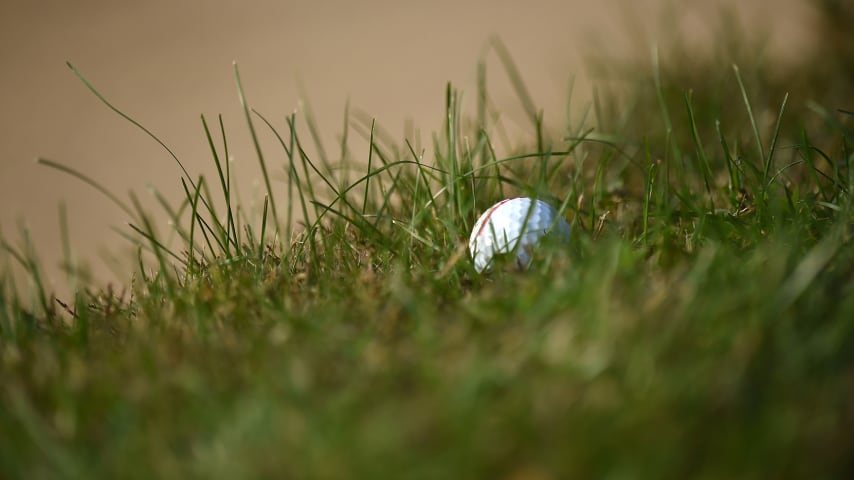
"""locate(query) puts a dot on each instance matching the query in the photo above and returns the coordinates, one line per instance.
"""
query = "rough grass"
(701, 324)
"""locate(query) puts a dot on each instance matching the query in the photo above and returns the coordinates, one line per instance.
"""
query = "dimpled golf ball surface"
(500, 228)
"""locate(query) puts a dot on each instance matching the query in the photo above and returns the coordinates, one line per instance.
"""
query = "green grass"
(700, 325)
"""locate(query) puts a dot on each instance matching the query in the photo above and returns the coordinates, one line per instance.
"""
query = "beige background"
(166, 62)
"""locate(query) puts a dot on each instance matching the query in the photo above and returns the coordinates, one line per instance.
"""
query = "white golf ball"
(514, 220)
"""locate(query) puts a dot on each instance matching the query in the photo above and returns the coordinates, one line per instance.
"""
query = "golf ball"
(522, 221)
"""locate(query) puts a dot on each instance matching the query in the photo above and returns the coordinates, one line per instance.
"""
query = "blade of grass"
(263, 230)
(387, 194)
(808, 269)
(235, 231)
(87, 180)
(29, 262)
(345, 137)
(126, 117)
(174, 215)
(701, 151)
(314, 132)
(759, 147)
(361, 225)
(648, 191)
(257, 145)
(734, 183)
(191, 244)
(516, 81)
(293, 176)
(452, 160)
(773, 147)
(68, 264)
(222, 248)
(674, 150)
(156, 246)
(226, 190)
(370, 164)
(309, 184)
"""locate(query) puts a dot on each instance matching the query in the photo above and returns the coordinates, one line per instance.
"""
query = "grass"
(701, 324)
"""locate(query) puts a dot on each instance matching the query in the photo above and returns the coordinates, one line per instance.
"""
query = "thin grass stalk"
(765, 171)
(235, 232)
(648, 190)
(758, 138)
(734, 184)
(701, 151)
(314, 132)
(263, 230)
(34, 270)
(156, 246)
(221, 231)
(87, 180)
(204, 224)
(257, 145)
(226, 191)
(387, 196)
(674, 151)
(126, 117)
(191, 261)
(292, 171)
(68, 264)
(516, 81)
(174, 215)
(453, 163)
(370, 163)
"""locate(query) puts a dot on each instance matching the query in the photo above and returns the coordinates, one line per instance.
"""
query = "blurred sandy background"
(167, 62)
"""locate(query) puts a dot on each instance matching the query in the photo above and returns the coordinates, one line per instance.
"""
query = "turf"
(699, 325)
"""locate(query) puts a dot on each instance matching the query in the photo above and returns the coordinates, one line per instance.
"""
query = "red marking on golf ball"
(490, 212)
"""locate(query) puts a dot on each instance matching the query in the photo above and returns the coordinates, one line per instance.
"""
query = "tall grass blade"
(482, 115)
(261, 241)
(191, 244)
(293, 177)
(292, 173)
(157, 247)
(257, 145)
(734, 184)
(370, 164)
(451, 155)
(648, 191)
(701, 151)
(772, 149)
(226, 192)
(394, 187)
(422, 173)
(308, 116)
(516, 80)
(235, 231)
(759, 147)
(673, 153)
(29, 262)
(809, 268)
(147, 231)
(223, 249)
(87, 180)
(303, 158)
(68, 264)
(127, 117)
